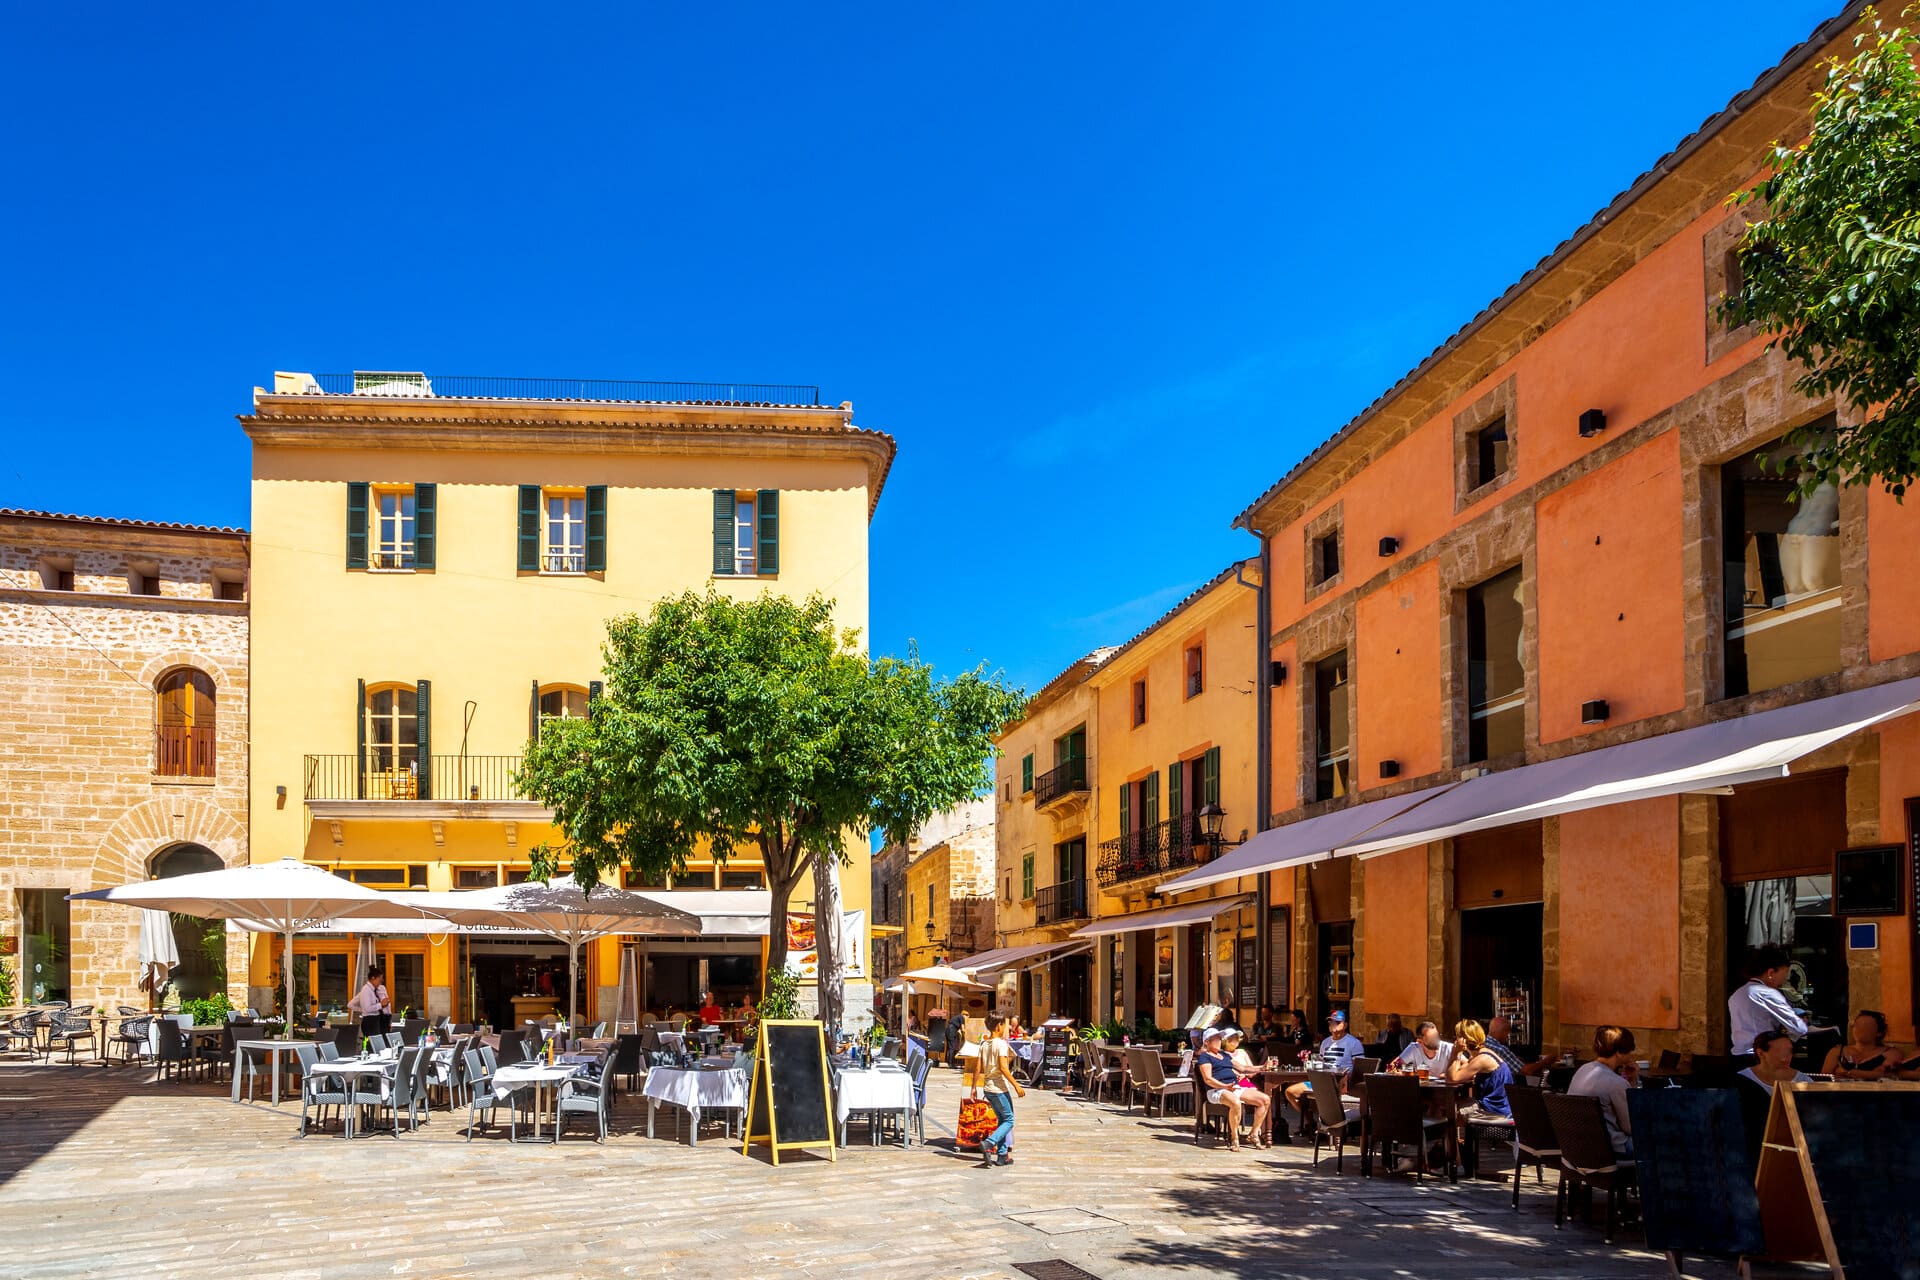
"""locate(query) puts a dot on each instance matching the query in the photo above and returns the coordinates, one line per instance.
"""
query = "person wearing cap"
(1338, 1050)
(1221, 1079)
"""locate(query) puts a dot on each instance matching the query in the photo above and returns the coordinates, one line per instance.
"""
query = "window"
(1326, 558)
(46, 929)
(1487, 453)
(393, 729)
(1026, 875)
(393, 529)
(476, 877)
(929, 902)
(693, 878)
(226, 588)
(522, 875)
(746, 532)
(563, 702)
(743, 880)
(1332, 763)
(565, 549)
(1496, 670)
(1026, 773)
(1139, 703)
(56, 573)
(143, 580)
(184, 724)
(646, 880)
(409, 877)
(1195, 671)
(1781, 576)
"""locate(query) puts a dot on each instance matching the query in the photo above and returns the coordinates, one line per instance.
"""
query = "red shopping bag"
(976, 1121)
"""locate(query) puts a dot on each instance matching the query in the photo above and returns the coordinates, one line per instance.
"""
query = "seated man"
(1340, 1048)
(1499, 1031)
(1608, 1077)
(1428, 1052)
(710, 1010)
(1221, 1080)
(1393, 1038)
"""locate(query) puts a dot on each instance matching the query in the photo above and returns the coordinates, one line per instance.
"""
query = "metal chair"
(1587, 1157)
(173, 1054)
(580, 1095)
(1150, 1082)
(131, 1039)
(318, 1091)
(21, 1034)
(69, 1027)
(411, 1029)
(919, 1067)
(1336, 1112)
(1533, 1140)
(396, 1091)
(510, 1047)
(1396, 1115)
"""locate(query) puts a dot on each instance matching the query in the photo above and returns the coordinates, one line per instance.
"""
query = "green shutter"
(596, 528)
(423, 730)
(529, 528)
(533, 713)
(1173, 790)
(1150, 800)
(360, 741)
(1126, 808)
(1026, 875)
(722, 532)
(1026, 773)
(593, 696)
(423, 525)
(357, 524)
(769, 513)
(1210, 777)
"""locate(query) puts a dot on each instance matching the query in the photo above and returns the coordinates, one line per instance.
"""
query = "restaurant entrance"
(1500, 968)
(509, 980)
(1072, 988)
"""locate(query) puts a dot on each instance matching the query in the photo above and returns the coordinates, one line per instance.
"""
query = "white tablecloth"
(1030, 1050)
(874, 1090)
(696, 1089)
(522, 1074)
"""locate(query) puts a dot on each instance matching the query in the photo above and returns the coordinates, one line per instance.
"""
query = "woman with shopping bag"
(996, 1061)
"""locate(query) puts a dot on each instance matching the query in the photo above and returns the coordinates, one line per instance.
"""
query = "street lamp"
(1212, 817)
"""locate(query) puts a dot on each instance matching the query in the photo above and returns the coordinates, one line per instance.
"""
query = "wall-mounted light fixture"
(1594, 712)
(1389, 768)
(1593, 422)
(1388, 546)
(1276, 672)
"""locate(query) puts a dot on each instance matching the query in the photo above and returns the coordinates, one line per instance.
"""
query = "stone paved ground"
(104, 1172)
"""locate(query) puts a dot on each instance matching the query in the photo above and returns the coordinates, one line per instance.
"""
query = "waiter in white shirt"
(1757, 1005)
(373, 1004)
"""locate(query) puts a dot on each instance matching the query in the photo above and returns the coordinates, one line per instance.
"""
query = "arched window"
(184, 724)
(393, 728)
(202, 944)
(562, 702)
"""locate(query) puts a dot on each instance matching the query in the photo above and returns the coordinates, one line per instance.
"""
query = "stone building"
(937, 891)
(123, 662)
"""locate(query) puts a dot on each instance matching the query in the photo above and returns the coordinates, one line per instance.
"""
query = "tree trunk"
(785, 867)
(828, 926)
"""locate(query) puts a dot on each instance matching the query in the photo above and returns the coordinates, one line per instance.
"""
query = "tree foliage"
(1832, 267)
(758, 723)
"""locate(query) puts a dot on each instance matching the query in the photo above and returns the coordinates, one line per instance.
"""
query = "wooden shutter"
(1210, 777)
(423, 525)
(593, 695)
(357, 524)
(596, 528)
(423, 734)
(1173, 789)
(529, 528)
(360, 742)
(1026, 773)
(769, 513)
(722, 532)
(533, 713)
(1150, 800)
(1126, 808)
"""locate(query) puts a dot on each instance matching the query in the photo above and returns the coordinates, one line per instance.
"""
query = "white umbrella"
(363, 961)
(942, 976)
(561, 911)
(159, 953)
(274, 897)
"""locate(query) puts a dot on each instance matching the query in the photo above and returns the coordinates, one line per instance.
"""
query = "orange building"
(1567, 702)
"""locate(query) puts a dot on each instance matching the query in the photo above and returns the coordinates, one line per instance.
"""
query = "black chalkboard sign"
(1054, 1044)
(790, 1102)
(1696, 1182)
(1858, 1141)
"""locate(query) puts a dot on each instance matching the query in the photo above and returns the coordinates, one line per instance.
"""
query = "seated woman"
(1867, 1056)
(1772, 1065)
(1473, 1061)
(1221, 1080)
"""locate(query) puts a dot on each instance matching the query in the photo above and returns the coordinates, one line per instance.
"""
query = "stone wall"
(81, 806)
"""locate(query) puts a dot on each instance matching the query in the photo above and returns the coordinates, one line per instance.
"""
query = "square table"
(695, 1089)
(276, 1049)
(354, 1070)
(875, 1089)
(510, 1079)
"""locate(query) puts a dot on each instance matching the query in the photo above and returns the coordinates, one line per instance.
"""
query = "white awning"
(1017, 957)
(1747, 748)
(1165, 917)
(397, 928)
(1309, 840)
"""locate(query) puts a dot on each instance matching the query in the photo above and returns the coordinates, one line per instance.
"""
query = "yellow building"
(435, 563)
(1133, 766)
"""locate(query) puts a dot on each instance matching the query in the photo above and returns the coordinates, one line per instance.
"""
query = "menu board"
(790, 1103)
(1696, 1182)
(1056, 1039)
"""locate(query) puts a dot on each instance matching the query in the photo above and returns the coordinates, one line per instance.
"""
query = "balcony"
(1066, 782)
(1174, 845)
(1061, 902)
(349, 783)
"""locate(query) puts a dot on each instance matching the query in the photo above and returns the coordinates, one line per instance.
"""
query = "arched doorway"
(202, 943)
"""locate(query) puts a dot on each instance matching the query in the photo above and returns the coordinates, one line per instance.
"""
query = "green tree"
(759, 723)
(1831, 267)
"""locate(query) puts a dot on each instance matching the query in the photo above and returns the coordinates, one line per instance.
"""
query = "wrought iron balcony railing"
(383, 774)
(419, 384)
(1173, 845)
(1056, 784)
(1059, 902)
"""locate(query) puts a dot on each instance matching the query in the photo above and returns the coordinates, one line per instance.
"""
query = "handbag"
(976, 1121)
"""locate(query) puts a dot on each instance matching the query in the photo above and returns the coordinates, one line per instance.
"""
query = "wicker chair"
(580, 1095)
(1150, 1082)
(1337, 1115)
(626, 1060)
(1533, 1140)
(69, 1027)
(1397, 1116)
(318, 1092)
(1587, 1157)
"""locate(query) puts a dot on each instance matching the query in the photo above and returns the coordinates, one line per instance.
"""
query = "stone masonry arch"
(156, 824)
(156, 667)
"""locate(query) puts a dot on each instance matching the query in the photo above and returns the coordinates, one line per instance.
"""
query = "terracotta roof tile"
(21, 513)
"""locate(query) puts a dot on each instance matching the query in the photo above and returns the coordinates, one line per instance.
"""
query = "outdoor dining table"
(276, 1049)
(694, 1089)
(544, 1079)
(875, 1089)
(373, 1065)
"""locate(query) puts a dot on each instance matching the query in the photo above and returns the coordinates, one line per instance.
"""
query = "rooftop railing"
(460, 386)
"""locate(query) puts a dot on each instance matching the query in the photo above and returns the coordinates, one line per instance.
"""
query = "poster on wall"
(803, 944)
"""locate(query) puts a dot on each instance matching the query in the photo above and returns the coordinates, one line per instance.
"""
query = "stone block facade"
(83, 804)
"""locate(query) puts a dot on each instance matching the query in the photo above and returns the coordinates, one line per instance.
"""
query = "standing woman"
(373, 1004)
(996, 1059)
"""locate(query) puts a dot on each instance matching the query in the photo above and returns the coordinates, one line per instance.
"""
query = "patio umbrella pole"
(573, 977)
(286, 962)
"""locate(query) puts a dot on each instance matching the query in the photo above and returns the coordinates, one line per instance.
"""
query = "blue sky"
(1104, 274)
